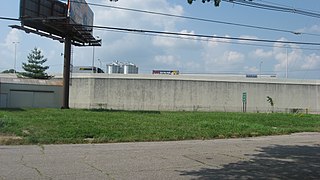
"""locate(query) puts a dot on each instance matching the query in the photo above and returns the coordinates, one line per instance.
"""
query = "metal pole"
(93, 49)
(15, 56)
(66, 72)
(287, 62)
(100, 63)
(260, 68)
(92, 59)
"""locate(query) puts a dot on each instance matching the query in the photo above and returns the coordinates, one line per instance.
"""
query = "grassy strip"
(52, 126)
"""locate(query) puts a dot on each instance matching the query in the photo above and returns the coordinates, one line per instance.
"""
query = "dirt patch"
(6, 140)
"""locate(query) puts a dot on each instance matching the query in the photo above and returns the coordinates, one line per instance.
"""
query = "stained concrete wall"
(178, 93)
(30, 93)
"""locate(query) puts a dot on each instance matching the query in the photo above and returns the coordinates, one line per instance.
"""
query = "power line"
(314, 11)
(201, 35)
(192, 18)
(212, 40)
(202, 19)
(250, 3)
(278, 4)
(273, 8)
(9, 19)
(186, 34)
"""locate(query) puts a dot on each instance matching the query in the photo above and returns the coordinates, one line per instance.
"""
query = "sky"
(188, 55)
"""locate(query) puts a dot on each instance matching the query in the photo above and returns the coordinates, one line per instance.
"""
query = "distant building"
(169, 72)
(86, 69)
(122, 68)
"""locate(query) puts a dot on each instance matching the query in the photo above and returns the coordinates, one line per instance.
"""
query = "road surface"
(295, 156)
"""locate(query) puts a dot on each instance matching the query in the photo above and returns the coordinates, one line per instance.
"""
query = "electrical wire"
(201, 19)
(9, 19)
(213, 40)
(250, 3)
(273, 8)
(200, 35)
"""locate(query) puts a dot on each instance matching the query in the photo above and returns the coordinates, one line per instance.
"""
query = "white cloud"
(164, 41)
(214, 42)
(131, 19)
(8, 49)
(260, 53)
(313, 29)
(252, 69)
(167, 60)
(168, 41)
(12, 36)
(142, 50)
(287, 56)
(311, 62)
(246, 37)
(233, 57)
(229, 60)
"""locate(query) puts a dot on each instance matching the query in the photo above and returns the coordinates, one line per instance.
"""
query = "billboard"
(80, 13)
(38, 14)
(32, 9)
(169, 72)
(53, 18)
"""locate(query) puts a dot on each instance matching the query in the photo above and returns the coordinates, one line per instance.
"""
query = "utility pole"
(66, 71)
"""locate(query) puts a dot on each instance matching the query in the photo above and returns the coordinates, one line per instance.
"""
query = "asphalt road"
(295, 156)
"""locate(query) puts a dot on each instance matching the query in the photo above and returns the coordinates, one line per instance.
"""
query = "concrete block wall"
(183, 93)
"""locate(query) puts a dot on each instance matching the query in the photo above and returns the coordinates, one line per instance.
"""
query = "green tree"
(216, 2)
(8, 71)
(34, 68)
(270, 100)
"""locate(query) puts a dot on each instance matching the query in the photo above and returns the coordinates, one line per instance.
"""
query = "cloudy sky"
(188, 55)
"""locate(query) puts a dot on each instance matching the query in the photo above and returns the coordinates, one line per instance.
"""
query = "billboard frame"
(51, 18)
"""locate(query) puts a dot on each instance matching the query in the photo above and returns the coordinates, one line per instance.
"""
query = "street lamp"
(15, 56)
(93, 49)
(287, 62)
(93, 59)
(260, 67)
(100, 63)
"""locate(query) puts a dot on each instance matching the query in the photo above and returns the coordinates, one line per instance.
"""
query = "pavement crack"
(201, 162)
(31, 167)
(85, 158)
(228, 155)
(97, 169)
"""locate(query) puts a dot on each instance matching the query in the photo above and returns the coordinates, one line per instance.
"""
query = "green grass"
(51, 126)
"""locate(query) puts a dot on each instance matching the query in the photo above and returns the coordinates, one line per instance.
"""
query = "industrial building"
(31, 93)
(122, 68)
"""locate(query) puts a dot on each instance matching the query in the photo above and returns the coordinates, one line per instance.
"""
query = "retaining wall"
(183, 93)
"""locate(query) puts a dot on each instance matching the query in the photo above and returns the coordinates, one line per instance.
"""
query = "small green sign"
(244, 97)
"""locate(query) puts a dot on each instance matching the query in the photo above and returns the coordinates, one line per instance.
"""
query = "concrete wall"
(177, 93)
(30, 93)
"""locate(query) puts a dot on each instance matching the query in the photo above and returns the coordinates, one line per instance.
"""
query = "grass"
(54, 126)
